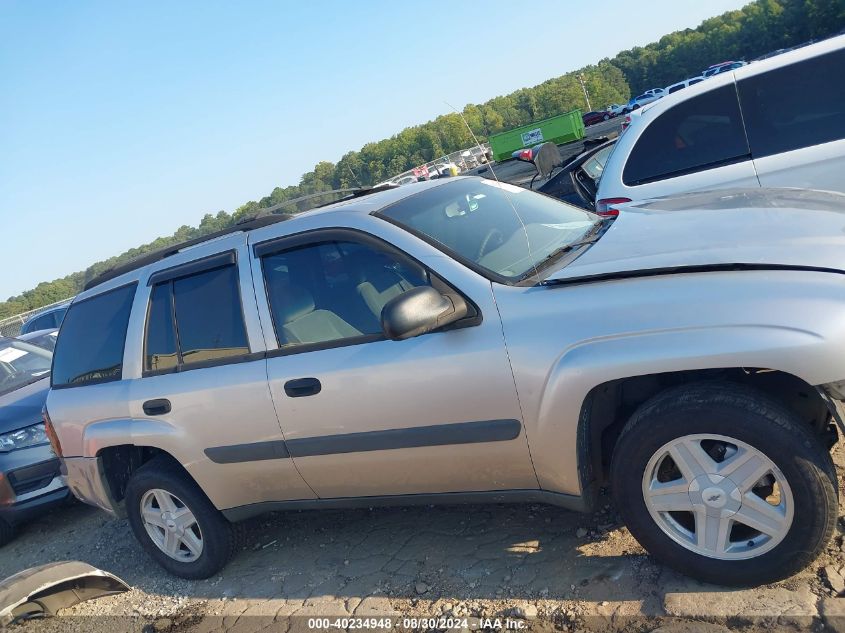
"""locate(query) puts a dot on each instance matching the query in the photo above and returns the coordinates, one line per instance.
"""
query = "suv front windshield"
(503, 229)
(21, 364)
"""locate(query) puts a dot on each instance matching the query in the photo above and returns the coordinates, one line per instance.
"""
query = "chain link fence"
(11, 326)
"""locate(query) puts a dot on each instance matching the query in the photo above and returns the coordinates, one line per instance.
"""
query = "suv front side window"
(195, 319)
(700, 133)
(331, 293)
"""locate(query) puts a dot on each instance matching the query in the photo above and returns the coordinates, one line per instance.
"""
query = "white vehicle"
(686, 83)
(647, 97)
(616, 109)
(779, 122)
(724, 67)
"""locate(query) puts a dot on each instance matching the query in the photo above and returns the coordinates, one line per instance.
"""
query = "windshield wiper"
(591, 236)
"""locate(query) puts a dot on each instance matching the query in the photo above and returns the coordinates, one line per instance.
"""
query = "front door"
(366, 416)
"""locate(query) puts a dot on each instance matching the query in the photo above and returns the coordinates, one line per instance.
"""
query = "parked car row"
(653, 94)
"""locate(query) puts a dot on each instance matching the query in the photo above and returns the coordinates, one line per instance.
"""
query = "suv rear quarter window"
(90, 348)
(795, 106)
(700, 133)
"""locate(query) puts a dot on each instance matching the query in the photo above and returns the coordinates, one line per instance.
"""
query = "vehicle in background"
(405, 180)
(616, 109)
(591, 118)
(482, 155)
(644, 99)
(45, 339)
(577, 181)
(718, 69)
(779, 122)
(469, 160)
(46, 319)
(683, 84)
(30, 477)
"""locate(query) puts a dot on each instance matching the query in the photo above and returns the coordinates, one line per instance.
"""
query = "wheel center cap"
(714, 497)
(717, 495)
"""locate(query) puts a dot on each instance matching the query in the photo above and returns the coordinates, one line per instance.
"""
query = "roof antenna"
(501, 188)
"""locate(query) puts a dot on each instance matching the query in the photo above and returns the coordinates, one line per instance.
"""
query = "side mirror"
(418, 311)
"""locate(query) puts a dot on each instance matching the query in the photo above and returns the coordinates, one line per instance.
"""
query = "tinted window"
(334, 291)
(676, 87)
(796, 106)
(160, 344)
(90, 348)
(209, 318)
(699, 133)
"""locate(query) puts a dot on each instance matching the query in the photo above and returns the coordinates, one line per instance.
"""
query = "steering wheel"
(494, 232)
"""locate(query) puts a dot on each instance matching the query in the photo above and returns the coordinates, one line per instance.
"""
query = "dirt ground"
(425, 568)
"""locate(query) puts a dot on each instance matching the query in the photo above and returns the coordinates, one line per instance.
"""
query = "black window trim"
(182, 271)
(322, 235)
(97, 381)
(193, 267)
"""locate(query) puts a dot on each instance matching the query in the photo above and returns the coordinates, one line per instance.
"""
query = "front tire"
(724, 484)
(176, 523)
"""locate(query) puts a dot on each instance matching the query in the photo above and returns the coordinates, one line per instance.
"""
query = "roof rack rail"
(246, 224)
(264, 217)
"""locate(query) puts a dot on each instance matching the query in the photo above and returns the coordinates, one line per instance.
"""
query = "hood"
(23, 406)
(776, 227)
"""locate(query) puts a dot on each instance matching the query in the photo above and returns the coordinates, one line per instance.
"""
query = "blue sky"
(122, 121)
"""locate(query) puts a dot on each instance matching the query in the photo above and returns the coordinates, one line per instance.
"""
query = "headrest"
(296, 303)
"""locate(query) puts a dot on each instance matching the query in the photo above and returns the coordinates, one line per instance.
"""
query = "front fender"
(563, 342)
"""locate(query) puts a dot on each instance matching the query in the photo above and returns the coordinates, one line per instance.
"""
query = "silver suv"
(464, 341)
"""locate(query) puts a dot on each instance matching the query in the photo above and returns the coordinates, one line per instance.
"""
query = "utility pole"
(584, 88)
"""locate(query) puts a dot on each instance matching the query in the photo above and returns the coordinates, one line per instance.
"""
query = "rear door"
(795, 118)
(204, 378)
(366, 416)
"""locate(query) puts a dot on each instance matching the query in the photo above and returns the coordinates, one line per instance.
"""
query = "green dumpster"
(563, 128)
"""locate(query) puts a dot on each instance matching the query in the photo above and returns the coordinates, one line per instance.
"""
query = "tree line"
(758, 28)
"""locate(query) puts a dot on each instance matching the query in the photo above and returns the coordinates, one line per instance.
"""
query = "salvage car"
(463, 340)
(779, 122)
(30, 477)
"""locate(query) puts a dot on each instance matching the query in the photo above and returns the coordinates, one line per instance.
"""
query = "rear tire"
(199, 539)
(667, 488)
(7, 532)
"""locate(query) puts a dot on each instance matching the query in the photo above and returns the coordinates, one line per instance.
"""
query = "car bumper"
(30, 482)
(86, 480)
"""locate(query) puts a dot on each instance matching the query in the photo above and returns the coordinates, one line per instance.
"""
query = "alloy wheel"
(171, 525)
(718, 496)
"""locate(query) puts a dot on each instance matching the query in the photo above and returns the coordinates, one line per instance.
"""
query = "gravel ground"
(533, 567)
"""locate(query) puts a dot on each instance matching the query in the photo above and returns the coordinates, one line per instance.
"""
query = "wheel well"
(609, 405)
(120, 462)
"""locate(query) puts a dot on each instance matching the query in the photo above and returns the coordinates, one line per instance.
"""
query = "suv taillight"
(626, 123)
(605, 205)
(51, 433)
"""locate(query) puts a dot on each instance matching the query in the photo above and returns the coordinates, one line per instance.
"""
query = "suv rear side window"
(796, 106)
(195, 319)
(697, 134)
(90, 348)
(334, 291)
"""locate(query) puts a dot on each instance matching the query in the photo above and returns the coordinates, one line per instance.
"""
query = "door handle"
(300, 387)
(159, 406)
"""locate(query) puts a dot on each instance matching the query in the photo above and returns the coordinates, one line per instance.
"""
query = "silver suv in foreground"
(467, 341)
